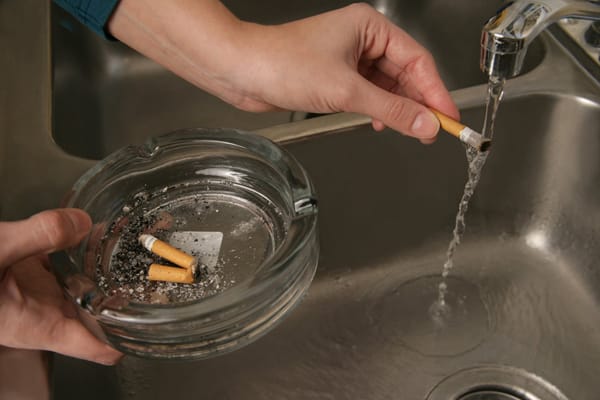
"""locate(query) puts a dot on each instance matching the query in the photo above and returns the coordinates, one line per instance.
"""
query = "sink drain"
(489, 395)
(495, 383)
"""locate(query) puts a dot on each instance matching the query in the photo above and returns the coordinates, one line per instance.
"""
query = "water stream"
(440, 311)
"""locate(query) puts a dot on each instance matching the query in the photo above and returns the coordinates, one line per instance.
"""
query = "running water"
(476, 159)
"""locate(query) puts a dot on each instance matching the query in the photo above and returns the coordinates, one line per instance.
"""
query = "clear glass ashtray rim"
(152, 314)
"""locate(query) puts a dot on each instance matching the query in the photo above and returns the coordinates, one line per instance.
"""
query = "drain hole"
(491, 394)
(497, 382)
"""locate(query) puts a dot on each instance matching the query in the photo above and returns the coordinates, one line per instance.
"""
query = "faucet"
(507, 34)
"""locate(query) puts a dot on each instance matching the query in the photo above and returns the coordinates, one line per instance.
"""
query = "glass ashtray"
(240, 204)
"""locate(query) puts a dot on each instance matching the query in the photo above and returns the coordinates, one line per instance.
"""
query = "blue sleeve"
(92, 13)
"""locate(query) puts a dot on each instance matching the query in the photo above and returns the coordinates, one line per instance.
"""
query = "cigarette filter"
(463, 132)
(158, 272)
(169, 252)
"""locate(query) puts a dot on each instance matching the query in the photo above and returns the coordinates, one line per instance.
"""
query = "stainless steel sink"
(525, 289)
(99, 85)
(526, 273)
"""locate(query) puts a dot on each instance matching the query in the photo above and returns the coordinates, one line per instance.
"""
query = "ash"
(127, 271)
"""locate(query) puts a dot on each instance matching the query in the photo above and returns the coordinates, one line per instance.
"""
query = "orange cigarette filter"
(168, 252)
(158, 272)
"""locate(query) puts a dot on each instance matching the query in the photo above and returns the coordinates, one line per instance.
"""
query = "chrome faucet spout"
(506, 36)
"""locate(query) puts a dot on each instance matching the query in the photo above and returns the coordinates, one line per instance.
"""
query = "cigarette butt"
(158, 272)
(169, 252)
(462, 132)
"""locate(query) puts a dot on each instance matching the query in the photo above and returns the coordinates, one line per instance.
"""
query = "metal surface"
(507, 35)
(592, 34)
(526, 272)
(586, 35)
(489, 395)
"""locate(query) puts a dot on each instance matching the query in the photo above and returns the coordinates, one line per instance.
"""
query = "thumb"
(42, 233)
(399, 113)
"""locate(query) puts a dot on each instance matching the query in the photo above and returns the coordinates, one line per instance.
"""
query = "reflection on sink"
(106, 96)
(526, 273)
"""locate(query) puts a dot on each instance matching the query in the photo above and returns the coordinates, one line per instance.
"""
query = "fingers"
(420, 81)
(400, 82)
(42, 233)
(35, 315)
(397, 112)
(413, 68)
(71, 338)
(397, 63)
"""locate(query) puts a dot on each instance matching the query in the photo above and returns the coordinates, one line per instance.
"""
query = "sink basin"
(524, 292)
(524, 289)
(106, 96)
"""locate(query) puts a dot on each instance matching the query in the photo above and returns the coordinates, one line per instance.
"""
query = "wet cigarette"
(168, 252)
(463, 132)
(158, 272)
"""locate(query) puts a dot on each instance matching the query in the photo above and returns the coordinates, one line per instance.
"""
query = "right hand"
(34, 313)
(352, 59)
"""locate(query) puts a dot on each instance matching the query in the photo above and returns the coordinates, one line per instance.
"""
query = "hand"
(34, 313)
(351, 59)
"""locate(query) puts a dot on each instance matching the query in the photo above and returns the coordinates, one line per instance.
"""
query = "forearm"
(196, 39)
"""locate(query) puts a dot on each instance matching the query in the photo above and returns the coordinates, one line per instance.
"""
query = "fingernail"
(425, 125)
